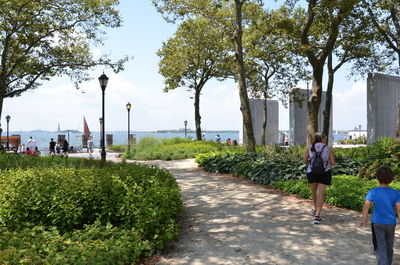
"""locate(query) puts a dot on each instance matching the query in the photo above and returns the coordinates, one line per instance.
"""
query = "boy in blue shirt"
(383, 225)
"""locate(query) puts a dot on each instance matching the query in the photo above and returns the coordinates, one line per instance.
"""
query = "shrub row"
(82, 211)
(345, 191)
(95, 244)
(267, 168)
(384, 152)
(150, 148)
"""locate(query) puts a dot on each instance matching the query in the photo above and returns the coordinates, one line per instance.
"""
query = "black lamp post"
(1, 130)
(103, 80)
(101, 134)
(185, 122)
(128, 108)
(8, 141)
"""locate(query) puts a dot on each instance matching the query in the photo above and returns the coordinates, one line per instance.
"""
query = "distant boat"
(86, 130)
(86, 133)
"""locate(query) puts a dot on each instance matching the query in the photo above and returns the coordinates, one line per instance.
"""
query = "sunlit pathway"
(232, 221)
(228, 220)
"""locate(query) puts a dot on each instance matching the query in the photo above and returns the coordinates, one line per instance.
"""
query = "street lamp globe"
(103, 80)
(128, 106)
(8, 118)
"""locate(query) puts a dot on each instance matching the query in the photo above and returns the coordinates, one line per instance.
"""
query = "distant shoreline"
(160, 131)
(156, 131)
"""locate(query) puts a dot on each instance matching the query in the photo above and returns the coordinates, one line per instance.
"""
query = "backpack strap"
(321, 152)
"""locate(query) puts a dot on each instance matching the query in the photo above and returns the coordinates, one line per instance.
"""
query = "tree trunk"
(398, 56)
(314, 101)
(264, 127)
(197, 117)
(328, 101)
(398, 122)
(244, 98)
(1, 110)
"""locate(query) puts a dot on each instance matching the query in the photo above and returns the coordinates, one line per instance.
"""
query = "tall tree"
(42, 39)
(318, 37)
(357, 43)
(385, 16)
(192, 57)
(227, 14)
(274, 68)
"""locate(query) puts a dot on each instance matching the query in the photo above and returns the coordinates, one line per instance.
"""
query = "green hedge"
(95, 244)
(77, 211)
(345, 191)
(150, 148)
(267, 168)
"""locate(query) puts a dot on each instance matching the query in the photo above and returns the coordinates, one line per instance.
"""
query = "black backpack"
(317, 164)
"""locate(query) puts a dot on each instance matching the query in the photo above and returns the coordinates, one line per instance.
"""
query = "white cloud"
(350, 107)
(59, 102)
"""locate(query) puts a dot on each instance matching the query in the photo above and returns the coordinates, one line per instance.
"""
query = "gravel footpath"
(230, 220)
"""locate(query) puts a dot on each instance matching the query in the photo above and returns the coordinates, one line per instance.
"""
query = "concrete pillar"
(298, 117)
(257, 115)
(383, 95)
(109, 139)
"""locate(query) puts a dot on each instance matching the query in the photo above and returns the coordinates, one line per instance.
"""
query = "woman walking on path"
(319, 157)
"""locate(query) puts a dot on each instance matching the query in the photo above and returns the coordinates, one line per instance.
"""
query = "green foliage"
(299, 187)
(262, 167)
(77, 210)
(118, 148)
(345, 191)
(95, 244)
(193, 55)
(43, 39)
(369, 158)
(150, 148)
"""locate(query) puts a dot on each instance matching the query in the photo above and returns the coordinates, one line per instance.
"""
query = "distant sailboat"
(86, 133)
(86, 130)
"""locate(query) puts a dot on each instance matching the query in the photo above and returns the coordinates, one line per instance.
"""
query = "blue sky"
(141, 35)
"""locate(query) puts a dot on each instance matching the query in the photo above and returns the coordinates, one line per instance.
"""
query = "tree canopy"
(47, 38)
(194, 55)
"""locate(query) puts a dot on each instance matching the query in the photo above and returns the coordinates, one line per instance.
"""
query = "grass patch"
(150, 148)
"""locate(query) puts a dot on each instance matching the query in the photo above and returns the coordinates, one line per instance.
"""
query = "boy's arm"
(365, 209)
(398, 210)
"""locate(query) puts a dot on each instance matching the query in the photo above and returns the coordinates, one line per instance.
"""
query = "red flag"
(86, 130)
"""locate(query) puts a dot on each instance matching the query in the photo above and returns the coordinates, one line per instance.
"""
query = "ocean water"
(119, 137)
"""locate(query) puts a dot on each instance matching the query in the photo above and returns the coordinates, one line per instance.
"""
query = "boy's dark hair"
(384, 175)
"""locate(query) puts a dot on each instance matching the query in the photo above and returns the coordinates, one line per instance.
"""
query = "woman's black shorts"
(325, 178)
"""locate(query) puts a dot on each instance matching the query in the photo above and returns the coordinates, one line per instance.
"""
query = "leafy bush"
(345, 191)
(95, 244)
(369, 158)
(264, 168)
(118, 148)
(81, 207)
(150, 148)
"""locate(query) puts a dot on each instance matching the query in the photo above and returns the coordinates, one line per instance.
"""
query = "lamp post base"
(103, 155)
